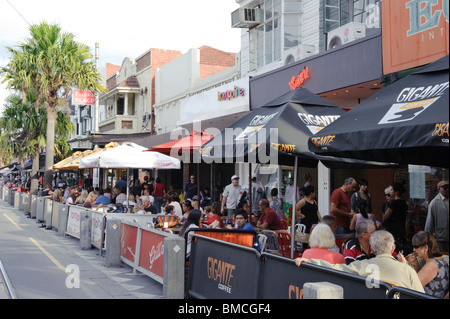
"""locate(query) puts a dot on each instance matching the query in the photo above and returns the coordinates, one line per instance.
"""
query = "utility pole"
(96, 108)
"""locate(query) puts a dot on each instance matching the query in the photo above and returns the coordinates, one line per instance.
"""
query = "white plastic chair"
(300, 229)
(262, 239)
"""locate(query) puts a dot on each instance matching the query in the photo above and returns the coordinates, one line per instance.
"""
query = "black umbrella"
(278, 133)
(405, 123)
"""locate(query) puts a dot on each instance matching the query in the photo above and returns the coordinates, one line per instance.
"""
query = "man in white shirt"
(231, 196)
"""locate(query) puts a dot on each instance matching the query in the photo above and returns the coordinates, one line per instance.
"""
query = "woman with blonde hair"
(320, 241)
(57, 196)
(82, 198)
(90, 199)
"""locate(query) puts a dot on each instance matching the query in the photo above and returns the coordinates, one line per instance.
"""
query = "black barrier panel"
(281, 278)
(222, 270)
(405, 293)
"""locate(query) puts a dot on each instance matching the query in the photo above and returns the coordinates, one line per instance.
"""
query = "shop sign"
(415, 32)
(82, 97)
(230, 94)
(298, 81)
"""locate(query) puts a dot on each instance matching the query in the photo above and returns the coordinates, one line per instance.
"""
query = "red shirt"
(159, 190)
(342, 201)
(211, 217)
(271, 217)
(324, 254)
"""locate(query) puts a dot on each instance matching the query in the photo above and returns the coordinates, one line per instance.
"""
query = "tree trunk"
(50, 147)
(34, 188)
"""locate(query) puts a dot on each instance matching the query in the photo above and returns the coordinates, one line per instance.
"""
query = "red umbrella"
(185, 145)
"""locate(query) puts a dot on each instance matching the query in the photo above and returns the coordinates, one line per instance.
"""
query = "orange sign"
(415, 32)
(302, 77)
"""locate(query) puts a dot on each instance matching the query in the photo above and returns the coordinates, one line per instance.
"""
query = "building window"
(341, 12)
(265, 39)
(292, 30)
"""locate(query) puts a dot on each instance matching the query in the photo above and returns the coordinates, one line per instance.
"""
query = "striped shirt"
(353, 251)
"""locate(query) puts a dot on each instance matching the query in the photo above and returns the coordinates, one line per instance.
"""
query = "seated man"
(102, 199)
(148, 205)
(241, 218)
(269, 218)
(383, 266)
(359, 248)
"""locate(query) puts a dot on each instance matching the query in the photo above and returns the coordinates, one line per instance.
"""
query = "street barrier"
(48, 209)
(155, 253)
(33, 208)
(282, 279)
(223, 270)
(403, 293)
(12, 196)
(17, 200)
(40, 209)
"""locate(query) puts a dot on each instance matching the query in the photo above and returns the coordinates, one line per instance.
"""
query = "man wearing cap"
(231, 195)
(437, 218)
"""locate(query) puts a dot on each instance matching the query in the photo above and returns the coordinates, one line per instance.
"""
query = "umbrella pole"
(128, 188)
(293, 207)
(250, 186)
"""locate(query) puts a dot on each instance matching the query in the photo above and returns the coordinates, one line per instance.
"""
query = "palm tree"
(51, 63)
(23, 129)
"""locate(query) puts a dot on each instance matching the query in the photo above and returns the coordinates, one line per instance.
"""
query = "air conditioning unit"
(246, 18)
(345, 34)
(298, 53)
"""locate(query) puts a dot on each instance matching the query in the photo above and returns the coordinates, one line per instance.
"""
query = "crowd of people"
(383, 243)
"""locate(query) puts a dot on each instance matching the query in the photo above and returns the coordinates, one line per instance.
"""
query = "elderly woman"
(321, 240)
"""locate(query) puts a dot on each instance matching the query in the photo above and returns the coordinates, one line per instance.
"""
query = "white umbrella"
(129, 155)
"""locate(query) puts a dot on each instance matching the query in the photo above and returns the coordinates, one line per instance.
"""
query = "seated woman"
(434, 274)
(321, 240)
(90, 200)
(192, 222)
(213, 219)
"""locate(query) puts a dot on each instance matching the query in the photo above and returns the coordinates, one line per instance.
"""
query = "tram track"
(9, 289)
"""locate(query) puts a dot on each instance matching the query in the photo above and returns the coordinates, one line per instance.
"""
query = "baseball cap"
(234, 177)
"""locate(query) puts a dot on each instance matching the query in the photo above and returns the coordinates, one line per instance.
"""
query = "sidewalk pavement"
(109, 282)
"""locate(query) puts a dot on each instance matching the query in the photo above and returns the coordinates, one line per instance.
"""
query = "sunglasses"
(387, 195)
(416, 246)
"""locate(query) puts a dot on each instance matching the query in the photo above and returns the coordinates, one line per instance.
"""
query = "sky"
(123, 28)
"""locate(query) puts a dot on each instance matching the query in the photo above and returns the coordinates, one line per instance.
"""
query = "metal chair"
(273, 245)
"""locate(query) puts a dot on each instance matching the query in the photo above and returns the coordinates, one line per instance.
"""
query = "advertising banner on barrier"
(128, 238)
(97, 228)
(221, 270)
(151, 254)
(73, 223)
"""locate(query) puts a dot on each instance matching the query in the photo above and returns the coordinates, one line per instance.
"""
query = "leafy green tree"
(23, 129)
(51, 63)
